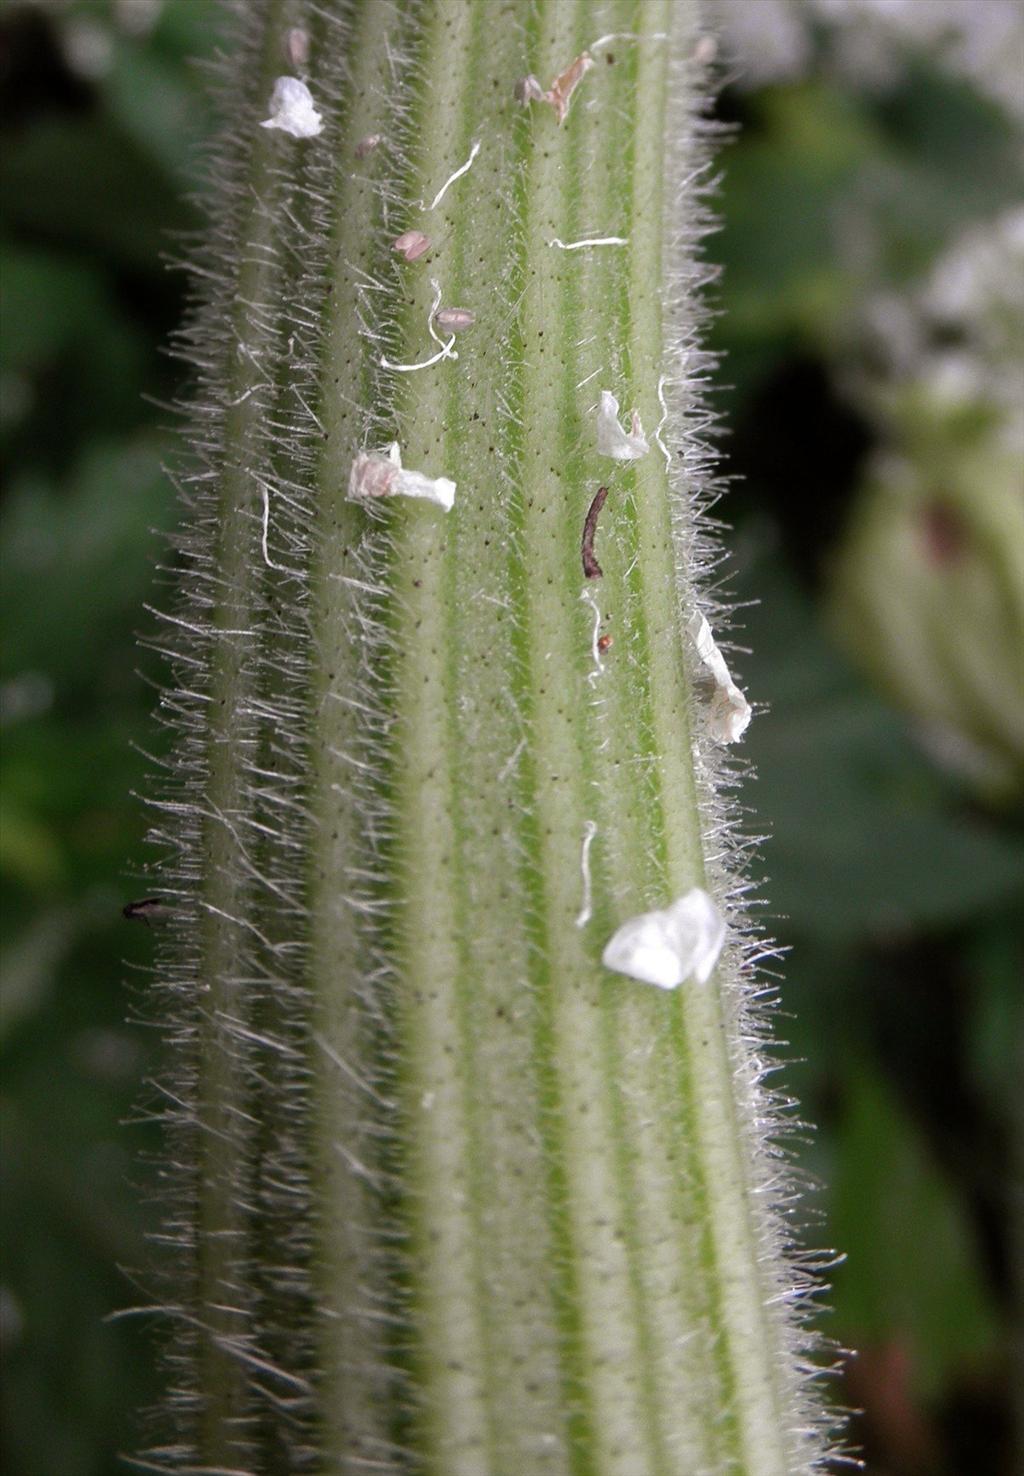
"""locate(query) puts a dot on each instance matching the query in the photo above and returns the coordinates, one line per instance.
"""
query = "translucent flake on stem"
(559, 94)
(456, 174)
(612, 440)
(292, 110)
(454, 320)
(589, 241)
(377, 475)
(729, 712)
(296, 47)
(586, 911)
(667, 947)
(411, 244)
(529, 90)
(368, 144)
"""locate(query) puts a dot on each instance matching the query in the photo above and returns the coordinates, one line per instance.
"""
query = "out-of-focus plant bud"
(928, 596)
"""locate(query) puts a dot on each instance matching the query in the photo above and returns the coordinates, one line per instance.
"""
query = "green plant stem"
(537, 1240)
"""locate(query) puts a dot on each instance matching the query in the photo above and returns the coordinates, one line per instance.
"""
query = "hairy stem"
(466, 1203)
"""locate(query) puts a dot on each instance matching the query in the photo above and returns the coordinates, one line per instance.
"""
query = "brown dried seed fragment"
(591, 568)
(559, 94)
(562, 88)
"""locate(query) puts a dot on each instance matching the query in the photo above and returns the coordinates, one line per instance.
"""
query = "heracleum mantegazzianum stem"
(448, 1196)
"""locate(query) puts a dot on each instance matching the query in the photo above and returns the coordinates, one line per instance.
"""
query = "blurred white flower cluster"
(776, 40)
(88, 34)
(960, 335)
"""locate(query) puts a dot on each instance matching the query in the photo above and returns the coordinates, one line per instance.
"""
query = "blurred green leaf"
(87, 182)
(951, 156)
(47, 300)
(996, 1044)
(30, 853)
(79, 559)
(785, 179)
(912, 1275)
(164, 111)
(867, 841)
(29, 963)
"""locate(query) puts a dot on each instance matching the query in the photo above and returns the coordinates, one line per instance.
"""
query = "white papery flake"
(669, 946)
(377, 475)
(729, 713)
(612, 440)
(292, 110)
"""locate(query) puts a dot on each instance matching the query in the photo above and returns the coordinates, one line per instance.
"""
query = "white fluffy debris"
(292, 110)
(411, 244)
(612, 440)
(668, 947)
(377, 475)
(729, 712)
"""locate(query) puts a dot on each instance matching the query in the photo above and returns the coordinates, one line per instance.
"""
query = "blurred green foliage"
(893, 884)
(93, 170)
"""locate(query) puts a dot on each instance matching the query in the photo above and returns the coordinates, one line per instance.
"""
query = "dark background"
(876, 517)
